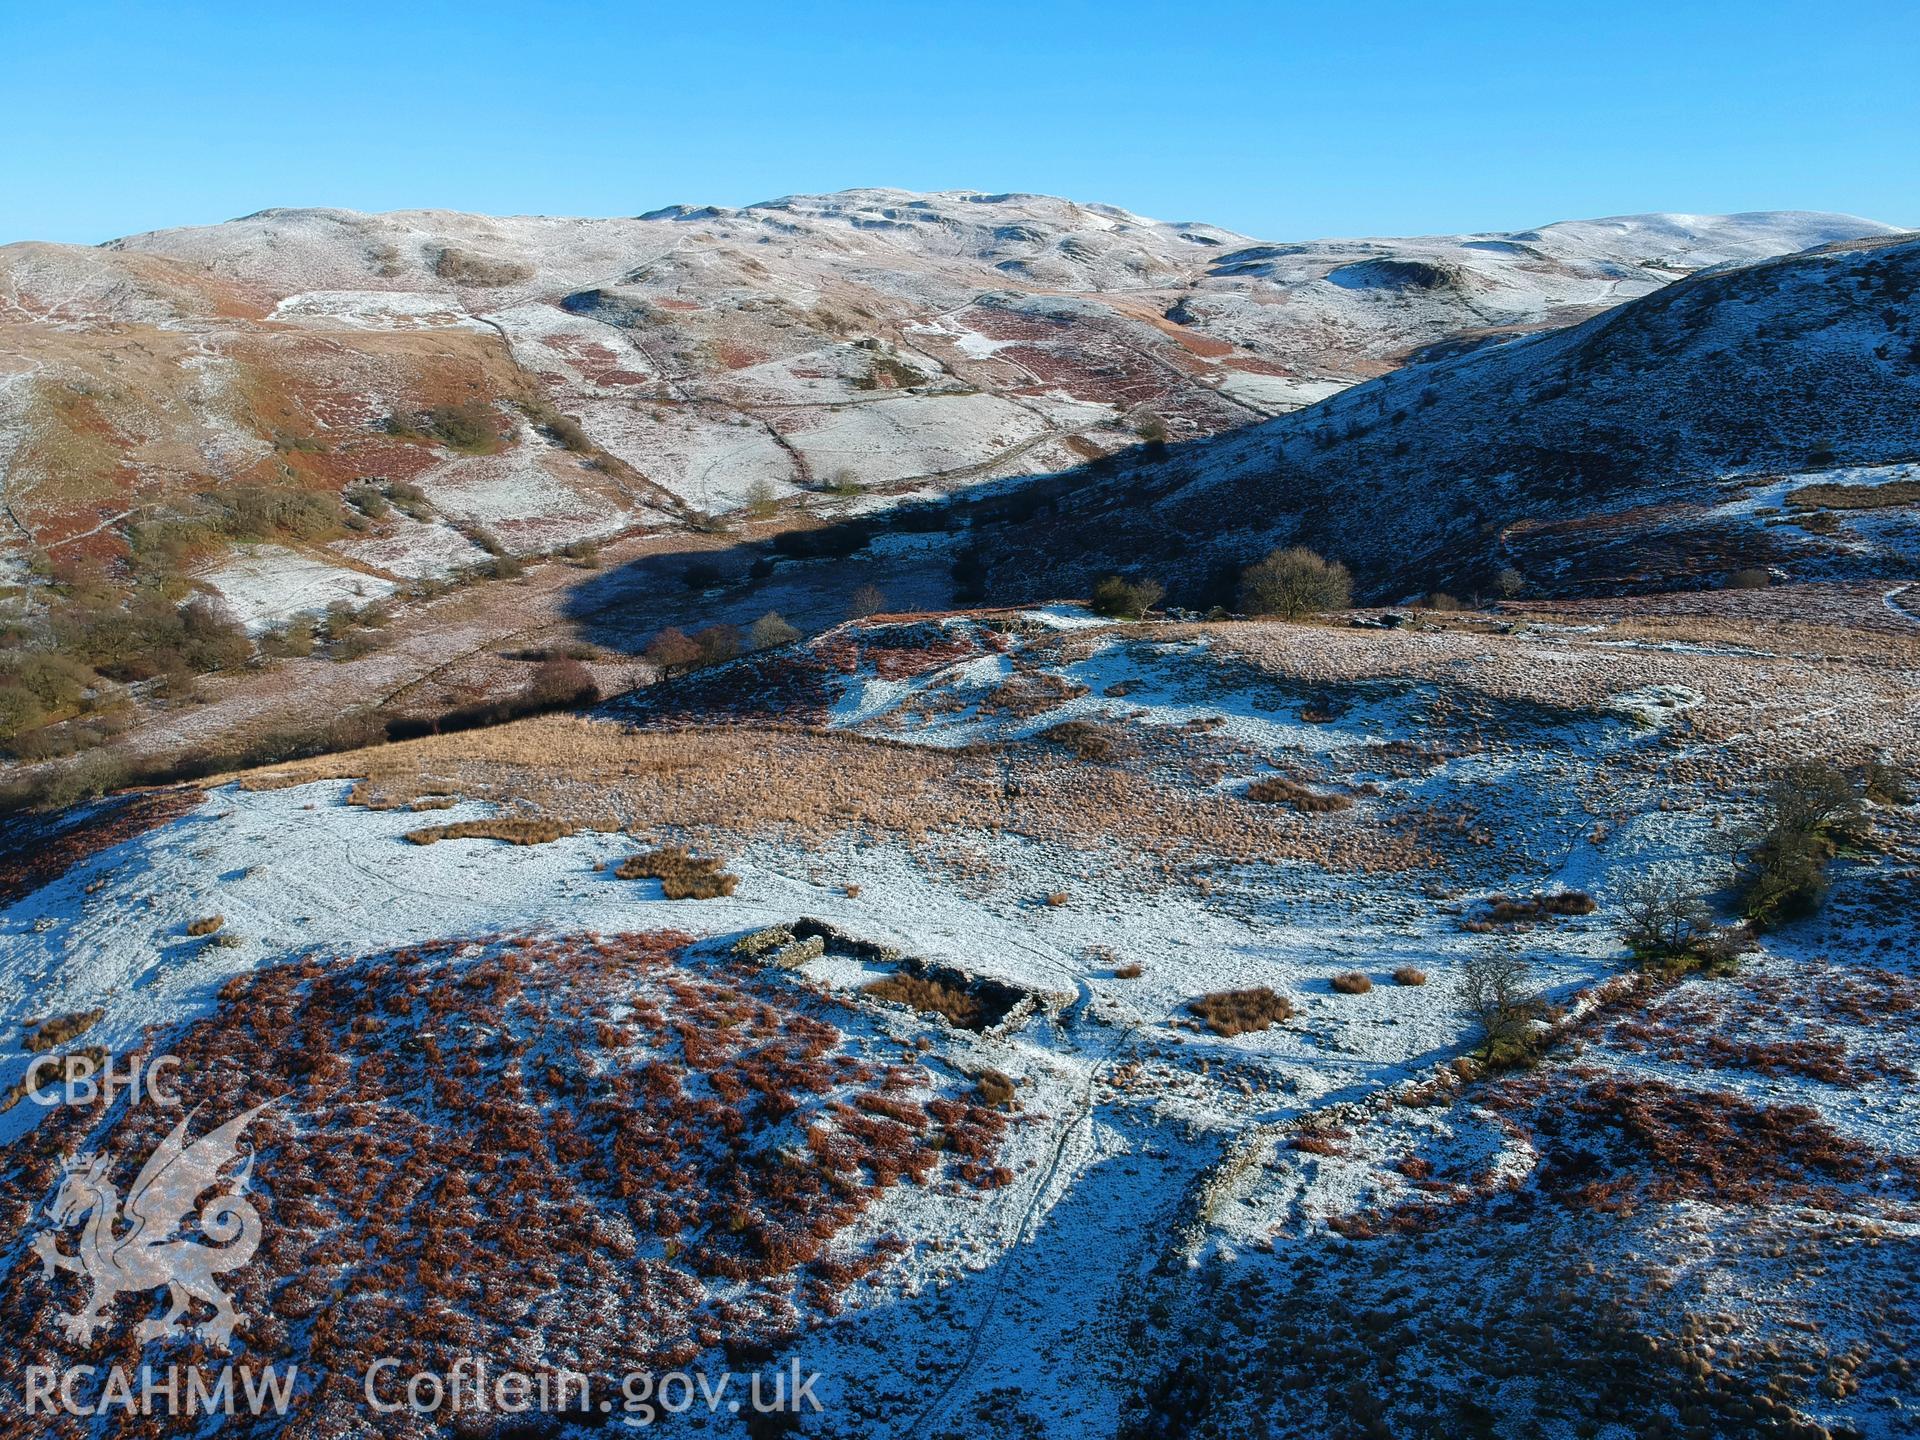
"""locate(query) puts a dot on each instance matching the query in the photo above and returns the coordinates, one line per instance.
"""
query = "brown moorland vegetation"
(541, 1151)
(1238, 1012)
(682, 876)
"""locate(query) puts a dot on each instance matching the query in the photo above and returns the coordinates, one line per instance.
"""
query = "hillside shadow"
(919, 556)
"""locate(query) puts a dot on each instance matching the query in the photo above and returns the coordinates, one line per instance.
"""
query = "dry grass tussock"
(1351, 983)
(797, 784)
(1236, 1012)
(514, 830)
(44, 1035)
(682, 876)
(1280, 790)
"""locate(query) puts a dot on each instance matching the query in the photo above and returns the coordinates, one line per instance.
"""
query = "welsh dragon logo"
(135, 1246)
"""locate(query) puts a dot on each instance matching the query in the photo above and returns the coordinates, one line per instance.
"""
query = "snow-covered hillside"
(1756, 416)
(926, 1096)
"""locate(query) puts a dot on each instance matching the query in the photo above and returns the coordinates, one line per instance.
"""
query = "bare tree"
(867, 600)
(1662, 914)
(1495, 996)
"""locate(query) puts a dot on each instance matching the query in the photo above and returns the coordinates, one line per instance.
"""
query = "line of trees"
(674, 652)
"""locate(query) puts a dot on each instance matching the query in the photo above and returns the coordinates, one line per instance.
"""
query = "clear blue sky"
(1282, 120)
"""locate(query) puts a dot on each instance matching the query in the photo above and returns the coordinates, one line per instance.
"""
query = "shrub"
(472, 428)
(996, 1089)
(770, 632)
(762, 499)
(867, 600)
(211, 639)
(682, 876)
(1527, 909)
(560, 681)
(1132, 970)
(355, 645)
(1126, 599)
(717, 644)
(1294, 582)
(205, 925)
(44, 1035)
(1090, 740)
(1236, 1012)
(409, 499)
(566, 431)
(291, 639)
(367, 499)
(20, 710)
(1752, 578)
(969, 572)
(1351, 983)
(1886, 783)
(1409, 975)
(701, 575)
(463, 267)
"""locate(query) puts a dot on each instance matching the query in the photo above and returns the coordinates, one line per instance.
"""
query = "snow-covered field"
(266, 584)
(1126, 874)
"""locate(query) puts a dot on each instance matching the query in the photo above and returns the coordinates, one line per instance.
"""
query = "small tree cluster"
(673, 651)
(1125, 599)
(1808, 811)
(1294, 582)
(1663, 917)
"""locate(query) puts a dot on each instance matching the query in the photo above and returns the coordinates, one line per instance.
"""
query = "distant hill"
(1670, 440)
